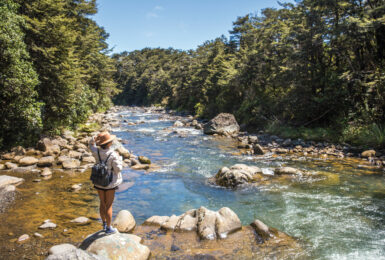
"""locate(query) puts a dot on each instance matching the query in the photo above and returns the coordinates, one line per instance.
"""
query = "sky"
(180, 24)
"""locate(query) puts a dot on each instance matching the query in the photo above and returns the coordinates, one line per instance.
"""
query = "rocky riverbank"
(199, 233)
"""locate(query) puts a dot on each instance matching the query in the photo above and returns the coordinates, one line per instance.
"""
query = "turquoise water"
(335, 220)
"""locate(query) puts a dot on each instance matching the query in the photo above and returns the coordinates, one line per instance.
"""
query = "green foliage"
(372, 135)
(54, 67)
(310, 66)
(20, 112)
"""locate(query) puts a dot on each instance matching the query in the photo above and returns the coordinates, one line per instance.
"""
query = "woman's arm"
(117, 163)
(93, 147)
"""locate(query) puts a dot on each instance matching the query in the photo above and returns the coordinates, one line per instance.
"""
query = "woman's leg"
(102, 207)
(110, 195)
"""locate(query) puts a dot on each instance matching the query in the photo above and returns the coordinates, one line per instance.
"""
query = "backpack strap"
(99, 156)
(107, 158)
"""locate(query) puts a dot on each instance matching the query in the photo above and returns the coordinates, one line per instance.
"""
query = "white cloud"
(154, 13)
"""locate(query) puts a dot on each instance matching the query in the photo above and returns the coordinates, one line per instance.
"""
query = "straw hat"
(104, 138)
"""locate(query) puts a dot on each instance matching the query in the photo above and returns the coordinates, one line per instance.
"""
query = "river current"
(339, 219)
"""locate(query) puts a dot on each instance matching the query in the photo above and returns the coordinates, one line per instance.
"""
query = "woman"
(114, 165)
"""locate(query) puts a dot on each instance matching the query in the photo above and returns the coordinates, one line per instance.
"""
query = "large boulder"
(46, 145)
(124, 221)
(28, 160)
(236, 175)
(116, 246)
(222, 124)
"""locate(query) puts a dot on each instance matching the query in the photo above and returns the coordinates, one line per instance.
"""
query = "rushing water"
(339, 219)
(342, 217)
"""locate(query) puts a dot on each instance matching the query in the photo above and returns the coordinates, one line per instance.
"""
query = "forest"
(313, 69)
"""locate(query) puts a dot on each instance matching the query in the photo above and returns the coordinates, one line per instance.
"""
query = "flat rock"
(46, 161)
(116, 246)
(10, 165)
(71, 164)
(48, 225)
(124, 221)
(171, 223)
(287, 171)
(140, 167)
(6, 180)
(368, 153)
(88, 159)
(156, 220)
(80, 220)
(74, 154)
(28, 160)
(62, 248)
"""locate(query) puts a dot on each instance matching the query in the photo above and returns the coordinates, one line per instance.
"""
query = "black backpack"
(100, 175)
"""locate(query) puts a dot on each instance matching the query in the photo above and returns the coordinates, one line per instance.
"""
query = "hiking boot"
(110, 230)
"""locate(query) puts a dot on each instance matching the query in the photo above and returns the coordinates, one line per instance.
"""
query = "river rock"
(9, 180)
(262, 229)
(222, 124)
(88, 159)
(253, 139)
(71, 164)
(18, 150)
(227, 222)
(171, 223)
(74, 154)
(46, 161)
(156, 220)
(46, 145)
(116, 246)
(46, 172)
(124, 221)
(27, 161)
(76, 187)
(38, 235)
(236, 175)
(48, 225)
(140, 166)
(10, 165)
(2, 166)
(62, 158)
(80, 220)
(123, 152)
(8, 156)
(187, 222)
(206, 223)
(287, 171)
(258, 149)
(70, 253)
(144, 160)
(368, 153)
(23, 238)
(62, 248)
(178, 124)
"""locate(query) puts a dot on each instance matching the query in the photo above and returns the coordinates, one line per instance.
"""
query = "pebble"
(48, 225)
(37, 180)
(38, 235)
(76, 187)
(23, 238)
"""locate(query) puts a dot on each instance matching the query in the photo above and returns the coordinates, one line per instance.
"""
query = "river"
(339, 218)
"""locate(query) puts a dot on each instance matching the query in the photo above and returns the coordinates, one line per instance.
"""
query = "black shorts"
(114, 188)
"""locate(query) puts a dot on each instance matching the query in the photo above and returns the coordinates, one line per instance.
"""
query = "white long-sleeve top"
(114, 164)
